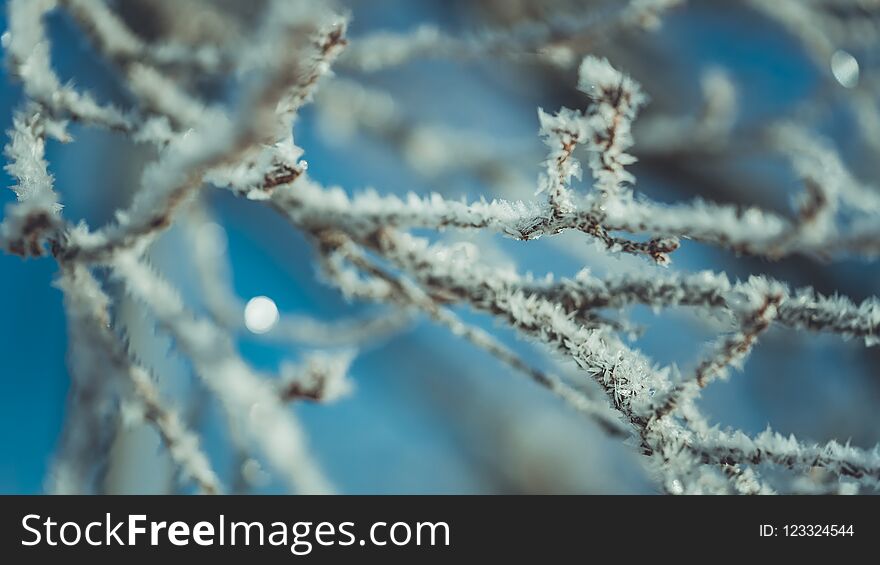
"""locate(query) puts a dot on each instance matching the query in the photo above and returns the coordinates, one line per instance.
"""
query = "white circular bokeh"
(260, 314)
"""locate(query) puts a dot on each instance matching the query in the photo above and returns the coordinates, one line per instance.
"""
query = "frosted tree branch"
(27, 50)
(247, 396)
(372, 245)
(321, 377)
(399, 289)
(542, 40)
(87, 305)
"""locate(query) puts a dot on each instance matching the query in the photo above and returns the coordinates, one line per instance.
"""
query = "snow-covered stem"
(182, 445)
(762, 307)
(401, 290)
(156, 92)
(27, 55)
(365, 250)
(321, 377)
(630, 380)
(87, 307)
(33, 221)
(544, 40)
(617, 99)
(283, 86)
(92, 407)
(770, 447)
(441, 271)
(119, 43)
(309, 205)
(745, 480)
(801, 309)
(750, 231)
(561, 133)
(248, 397)
(26, 152)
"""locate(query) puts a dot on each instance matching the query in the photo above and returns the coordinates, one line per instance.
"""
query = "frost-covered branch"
(119, 43)
(250, 400)
(33, 220)
(542, 40)
(27, 52)
(398, 289)
(761, 307)
(322, 377)
(749, 231)
(801, 308)
(770, 447)
(102, 369)
(632, 384)
(367, 245)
